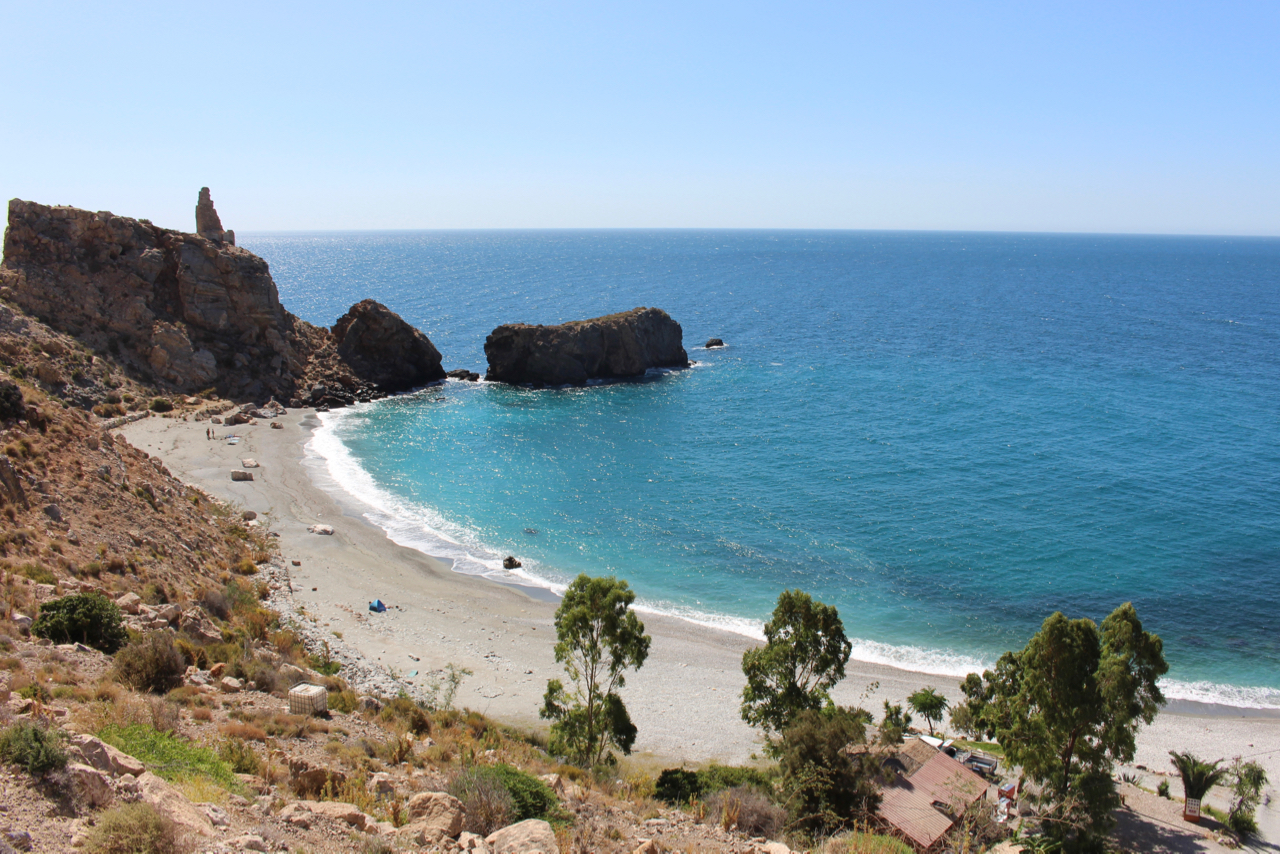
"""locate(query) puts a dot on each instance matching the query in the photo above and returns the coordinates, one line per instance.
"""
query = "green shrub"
(137, 828)
(161, 404)
(88, 618)
(153, 664)
(34, 747)
(1163, 789)
(714, 777)
(488, 804)
(170, 756)
(824, 789)
(37, 573)
(242, 758)
(677, 786)
(533, 798)
(12, 406)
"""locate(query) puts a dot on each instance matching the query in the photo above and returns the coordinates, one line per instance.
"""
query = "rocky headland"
(616, 346)
(195, 313)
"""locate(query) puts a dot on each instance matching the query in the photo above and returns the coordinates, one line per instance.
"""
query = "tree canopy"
(803, 658)
(598, 637)
(1068, 706)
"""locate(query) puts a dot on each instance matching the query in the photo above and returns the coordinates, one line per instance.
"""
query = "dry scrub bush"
(152, 664)
(746, 810)
(241, 756)
(488, 804)
(135, 829)
(244, 732)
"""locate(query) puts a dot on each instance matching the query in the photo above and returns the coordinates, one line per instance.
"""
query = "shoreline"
(685, 699)
(339, 473)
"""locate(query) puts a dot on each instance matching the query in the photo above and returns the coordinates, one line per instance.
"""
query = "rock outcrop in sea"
(191, 312)
(617, 346)
(384, 350)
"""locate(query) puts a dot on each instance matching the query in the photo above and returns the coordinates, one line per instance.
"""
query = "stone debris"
(238, 475)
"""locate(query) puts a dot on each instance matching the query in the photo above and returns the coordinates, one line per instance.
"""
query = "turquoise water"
(949, 436)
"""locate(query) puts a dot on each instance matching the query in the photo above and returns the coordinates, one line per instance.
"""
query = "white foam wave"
(935, 662)
(1237, 696)
(422, 528)
(406, 524)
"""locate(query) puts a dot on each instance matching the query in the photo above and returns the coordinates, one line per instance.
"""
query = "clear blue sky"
(1092, 116)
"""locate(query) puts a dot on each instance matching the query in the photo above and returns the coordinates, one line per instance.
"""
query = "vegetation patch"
(151, 664)
(137, 828)
(36, 749)
(170, 756)
(88, 618)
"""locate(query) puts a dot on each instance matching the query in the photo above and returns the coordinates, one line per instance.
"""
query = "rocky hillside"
(184, 740)
(193, 312)
(617, 346)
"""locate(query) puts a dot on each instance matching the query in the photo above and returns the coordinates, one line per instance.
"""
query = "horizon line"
(796, 229)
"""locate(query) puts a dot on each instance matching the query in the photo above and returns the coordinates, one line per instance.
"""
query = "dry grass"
(135, 828)
(243, 731)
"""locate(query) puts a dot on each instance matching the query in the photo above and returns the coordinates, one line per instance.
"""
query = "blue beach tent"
(377, 606)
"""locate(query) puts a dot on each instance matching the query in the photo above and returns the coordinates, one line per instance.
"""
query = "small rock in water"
(713, 343)
(509, 562)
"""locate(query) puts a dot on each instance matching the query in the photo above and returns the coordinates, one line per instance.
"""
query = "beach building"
(935, 791)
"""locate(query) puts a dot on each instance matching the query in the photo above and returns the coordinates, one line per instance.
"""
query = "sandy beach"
(685, 699)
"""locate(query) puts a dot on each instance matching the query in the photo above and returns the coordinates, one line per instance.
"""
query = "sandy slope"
(684, 701)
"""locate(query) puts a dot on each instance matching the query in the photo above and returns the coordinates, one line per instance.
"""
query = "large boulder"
(433, 816)
(98, 754)
(617, 346)
(91, 785)
(338, 811)
(382, 349)
(531, 836)
(308, 780)
(169, 802)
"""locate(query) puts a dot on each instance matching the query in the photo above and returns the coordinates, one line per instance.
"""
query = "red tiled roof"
(946, 780)
(912, 813)
(909, 804)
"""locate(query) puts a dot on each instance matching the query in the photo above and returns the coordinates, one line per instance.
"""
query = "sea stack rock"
(208, 223)
(617, 346)
(382, 349)
(713, 343)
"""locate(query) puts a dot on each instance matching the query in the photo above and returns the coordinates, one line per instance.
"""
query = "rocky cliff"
(192, 311)
(616, 346)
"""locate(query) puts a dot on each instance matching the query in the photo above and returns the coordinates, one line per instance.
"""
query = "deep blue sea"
(948, 436)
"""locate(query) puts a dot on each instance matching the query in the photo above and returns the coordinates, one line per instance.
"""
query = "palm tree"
(1198, 777)
(929, 704)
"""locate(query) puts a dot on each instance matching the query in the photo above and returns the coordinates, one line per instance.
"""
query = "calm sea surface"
(949, 436)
